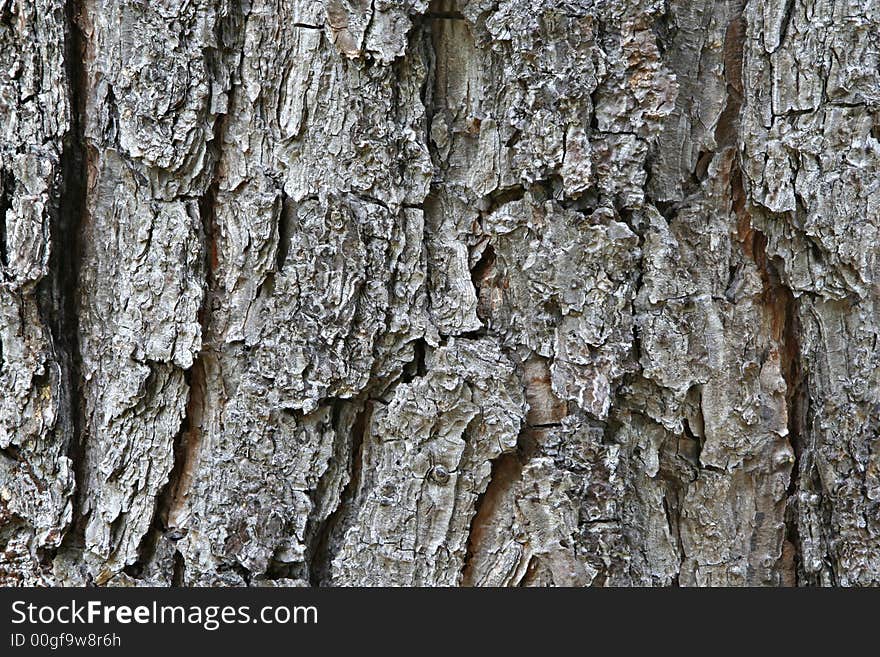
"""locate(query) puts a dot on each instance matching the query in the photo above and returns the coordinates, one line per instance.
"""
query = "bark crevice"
(327, 536)
(777, 299)
(61, 293)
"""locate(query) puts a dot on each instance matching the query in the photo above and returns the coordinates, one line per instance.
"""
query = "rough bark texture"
(460, 292)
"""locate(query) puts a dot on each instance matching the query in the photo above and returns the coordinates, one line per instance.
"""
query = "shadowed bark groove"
(66, 237)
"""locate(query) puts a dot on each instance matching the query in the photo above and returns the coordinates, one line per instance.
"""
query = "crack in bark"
(416, 367)
(508, 467)
(785, 22)
(179, 570)
(285, 226)
(506, 473)
(171, 499)
(777, 299)
(330, 532)
(62, 291)
(779, 302)
(7, 182)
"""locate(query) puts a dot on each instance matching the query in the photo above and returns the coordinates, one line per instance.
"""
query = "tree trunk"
(474, 292)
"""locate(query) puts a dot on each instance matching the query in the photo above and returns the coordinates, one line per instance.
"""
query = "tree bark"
(460, 292)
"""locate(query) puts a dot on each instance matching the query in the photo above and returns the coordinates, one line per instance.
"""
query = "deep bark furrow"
(68, 232)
